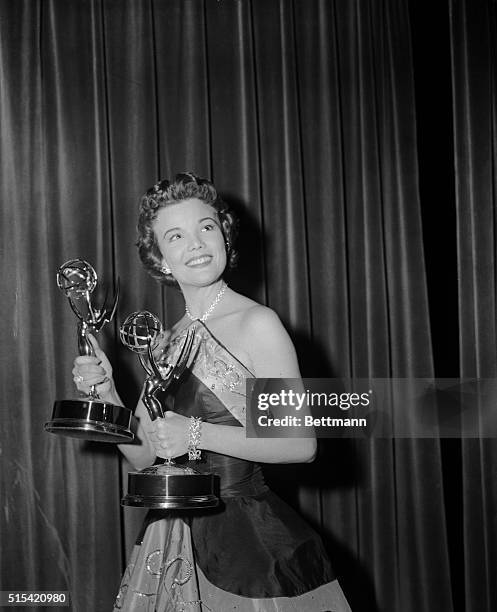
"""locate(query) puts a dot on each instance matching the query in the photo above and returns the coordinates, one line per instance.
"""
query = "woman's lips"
(197, 262)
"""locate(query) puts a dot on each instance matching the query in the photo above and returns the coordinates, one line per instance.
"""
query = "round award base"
(93, 420)
(171, 487)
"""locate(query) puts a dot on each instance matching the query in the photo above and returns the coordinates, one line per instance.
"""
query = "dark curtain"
(474, 59)
(309, 116)
(60, 498)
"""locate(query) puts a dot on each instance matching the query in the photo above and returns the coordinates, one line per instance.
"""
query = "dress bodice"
(215, 367)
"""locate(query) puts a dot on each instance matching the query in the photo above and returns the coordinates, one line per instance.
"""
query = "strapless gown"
(253, 553)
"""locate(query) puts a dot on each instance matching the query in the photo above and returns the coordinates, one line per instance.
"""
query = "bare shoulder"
(260, 319)
(251, 319)
(268, 343)
(255, 335)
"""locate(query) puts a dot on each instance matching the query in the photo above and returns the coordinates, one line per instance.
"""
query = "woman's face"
(191, 242)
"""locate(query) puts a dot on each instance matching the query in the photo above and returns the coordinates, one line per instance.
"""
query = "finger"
(165, 452)
(160, 446)
(99, 353)
(82, 387)
(94, 343)
(84, 359)
(88, 377)
(94, 381)
(160, 425)
(89, 369)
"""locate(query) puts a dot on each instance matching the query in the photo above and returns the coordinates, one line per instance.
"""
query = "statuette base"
(93, 420)
(171, 487)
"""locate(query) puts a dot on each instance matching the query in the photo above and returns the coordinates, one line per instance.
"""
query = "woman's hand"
(170, 435)
(95, 370)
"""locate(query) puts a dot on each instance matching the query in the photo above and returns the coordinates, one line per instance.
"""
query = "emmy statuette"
(167, 486)
(88, 417)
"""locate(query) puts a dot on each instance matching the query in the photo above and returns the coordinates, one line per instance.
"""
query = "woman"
(253, 552)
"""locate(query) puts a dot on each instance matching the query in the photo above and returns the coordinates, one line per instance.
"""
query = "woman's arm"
(141, 452)
(233, 441)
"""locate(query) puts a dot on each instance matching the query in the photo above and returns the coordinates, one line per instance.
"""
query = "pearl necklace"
(209, 310)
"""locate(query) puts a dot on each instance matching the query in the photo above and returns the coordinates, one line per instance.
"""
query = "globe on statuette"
(76, 277)
(139, 330)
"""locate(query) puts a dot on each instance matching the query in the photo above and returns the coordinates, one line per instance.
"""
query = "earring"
(165, 270)
(228, 245)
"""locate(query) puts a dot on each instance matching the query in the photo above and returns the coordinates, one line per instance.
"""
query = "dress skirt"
(163, 576)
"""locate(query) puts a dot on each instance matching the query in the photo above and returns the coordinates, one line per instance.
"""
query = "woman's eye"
(208, 227)
(174, 237)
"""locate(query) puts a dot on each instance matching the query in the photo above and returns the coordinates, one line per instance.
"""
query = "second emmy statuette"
(168, 486)
(89, 417)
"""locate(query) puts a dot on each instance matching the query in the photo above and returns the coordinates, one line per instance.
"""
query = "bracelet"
(194, 438)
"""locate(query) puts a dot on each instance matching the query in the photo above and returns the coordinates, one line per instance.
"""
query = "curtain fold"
(303, 112)
(474, 65)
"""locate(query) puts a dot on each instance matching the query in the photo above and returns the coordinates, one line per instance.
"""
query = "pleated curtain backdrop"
(474, 58)
(304, 113)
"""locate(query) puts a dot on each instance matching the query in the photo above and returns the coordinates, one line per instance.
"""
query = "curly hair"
(164, 193)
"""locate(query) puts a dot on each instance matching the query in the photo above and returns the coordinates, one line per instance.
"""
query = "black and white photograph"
(249, 301)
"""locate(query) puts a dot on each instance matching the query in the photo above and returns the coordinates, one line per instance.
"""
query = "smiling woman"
(253, 552)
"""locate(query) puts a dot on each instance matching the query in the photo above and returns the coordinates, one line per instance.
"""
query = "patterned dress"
(252, 553)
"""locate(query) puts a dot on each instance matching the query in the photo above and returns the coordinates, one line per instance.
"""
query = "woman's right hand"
(95, 371)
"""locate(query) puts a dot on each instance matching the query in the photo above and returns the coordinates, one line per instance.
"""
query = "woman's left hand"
(170, 435)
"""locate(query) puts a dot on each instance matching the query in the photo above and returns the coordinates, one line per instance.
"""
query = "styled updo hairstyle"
(164, 193)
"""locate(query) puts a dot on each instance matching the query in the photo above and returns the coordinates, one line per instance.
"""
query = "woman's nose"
(195, 242)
